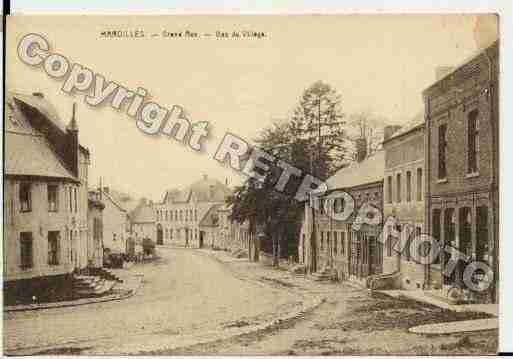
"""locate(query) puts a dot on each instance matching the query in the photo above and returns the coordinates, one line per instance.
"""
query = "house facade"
(95, 224)
(45, 200)
(181, 211)
(347, 249)
(462, 168)
(116, 224)
(404, 203)
(142, 226)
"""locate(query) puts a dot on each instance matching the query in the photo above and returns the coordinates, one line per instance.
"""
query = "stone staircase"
(91, 286)
(323, 275)
(107, 274)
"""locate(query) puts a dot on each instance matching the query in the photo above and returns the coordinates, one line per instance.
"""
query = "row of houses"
(54, 225)
(438, 176)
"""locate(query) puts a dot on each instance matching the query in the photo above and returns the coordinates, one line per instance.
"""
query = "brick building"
(344, 250)
(404, 201)
(462, 165)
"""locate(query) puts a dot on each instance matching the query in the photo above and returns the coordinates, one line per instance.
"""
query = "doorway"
(160, 235)
(201, 238)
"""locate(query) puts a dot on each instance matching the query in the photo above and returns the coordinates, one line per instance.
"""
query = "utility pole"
(313, 235)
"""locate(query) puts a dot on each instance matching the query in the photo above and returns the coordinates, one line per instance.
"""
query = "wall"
(115, 222)
(403, 154)
(473, 86)
(38, 221)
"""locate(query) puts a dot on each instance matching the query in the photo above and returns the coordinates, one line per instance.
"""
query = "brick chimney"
(389, 131)
(361, 149)
(72, 143)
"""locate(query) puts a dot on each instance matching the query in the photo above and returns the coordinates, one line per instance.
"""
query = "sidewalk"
(429, 298)
(456, 327)
(131, 283)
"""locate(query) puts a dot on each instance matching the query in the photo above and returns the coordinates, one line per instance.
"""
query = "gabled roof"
(210, 219)
(108, 197)
(204, 190)
(144, 214)
(27, 151)
(370, 170)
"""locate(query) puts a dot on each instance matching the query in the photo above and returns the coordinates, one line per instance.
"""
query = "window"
(442, 148)
(70, 199)
(26, 250)
(53, 247)
(167, 233)
(25, 197)
(389, 188)
(53, 191)
(398, 184)
(473, 142)
(181, 215)
(171, 233)
(328, 241)
(482, 245)
(419, 184)
(437, 230)
(408, 186)
(343, 243)
(335, 241)
(76, 201)
(196, 215)
(322, 240)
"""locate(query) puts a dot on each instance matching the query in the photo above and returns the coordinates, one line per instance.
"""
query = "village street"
(183, 292)
(202, 301)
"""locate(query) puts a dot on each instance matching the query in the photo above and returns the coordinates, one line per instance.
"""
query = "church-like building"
(182, 214)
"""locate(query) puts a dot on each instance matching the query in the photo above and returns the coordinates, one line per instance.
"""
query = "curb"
(78, 302)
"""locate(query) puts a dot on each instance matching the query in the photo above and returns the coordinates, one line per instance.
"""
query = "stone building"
(181, 211)
(462, 167)
(404, 202)
(45, 200)
(347, 251)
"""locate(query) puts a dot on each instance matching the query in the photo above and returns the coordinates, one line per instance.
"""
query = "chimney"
(106, 190)
(361, 149)
(205, 177)
(72, 148)
(211, 191)
(38, 94)
(442, 71)
(389, 131)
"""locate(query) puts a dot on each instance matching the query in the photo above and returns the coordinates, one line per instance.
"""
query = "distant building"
(404, 203)
(95, 224)
(462, 167)
(340, 248)
(143, 220)
(45, 200)
(116, 224)
(181, 211)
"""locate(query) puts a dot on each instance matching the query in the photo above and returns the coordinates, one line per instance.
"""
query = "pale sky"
(376, 62)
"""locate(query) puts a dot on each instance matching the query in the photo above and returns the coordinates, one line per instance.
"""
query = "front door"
(160, 235)
(201, 238)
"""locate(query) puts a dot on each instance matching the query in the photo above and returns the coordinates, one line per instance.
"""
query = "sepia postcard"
(251, 185)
